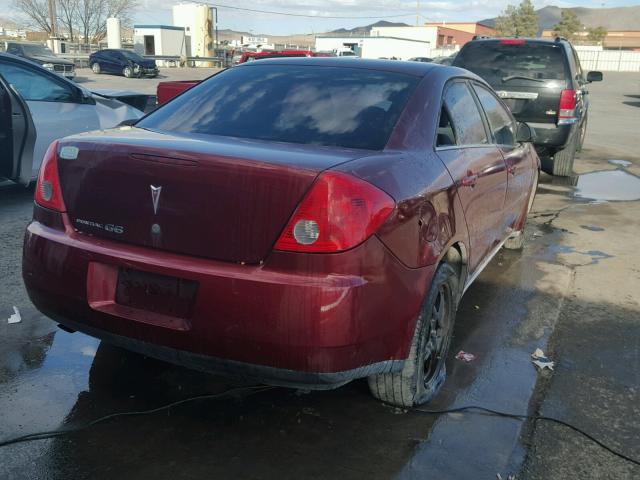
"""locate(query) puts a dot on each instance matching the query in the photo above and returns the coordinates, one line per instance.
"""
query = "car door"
(17, 135)
(582, 94)
(476, 166)
(58, 107)
(115, 62)
(517, 157)
(106, 61)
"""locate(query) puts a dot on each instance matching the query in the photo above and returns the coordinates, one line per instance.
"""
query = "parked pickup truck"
(167, 90)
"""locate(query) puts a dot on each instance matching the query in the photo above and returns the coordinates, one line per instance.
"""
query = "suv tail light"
(48, 191)
(338, 213)
(512, 41)
(567, 107)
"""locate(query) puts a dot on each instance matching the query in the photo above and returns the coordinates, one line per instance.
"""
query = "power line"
(286, 14)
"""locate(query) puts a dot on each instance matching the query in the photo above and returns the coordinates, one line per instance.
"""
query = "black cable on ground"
(65, 431)
(257, 389)
(517, 416)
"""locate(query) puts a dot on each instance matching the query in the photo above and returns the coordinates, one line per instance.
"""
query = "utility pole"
(52, 17)
(417, 13)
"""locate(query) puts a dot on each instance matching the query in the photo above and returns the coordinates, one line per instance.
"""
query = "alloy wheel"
(437, 339)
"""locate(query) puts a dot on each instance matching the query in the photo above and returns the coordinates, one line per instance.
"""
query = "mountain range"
(619, 18)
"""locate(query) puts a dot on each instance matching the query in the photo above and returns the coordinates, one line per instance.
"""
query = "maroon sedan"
(301, 222)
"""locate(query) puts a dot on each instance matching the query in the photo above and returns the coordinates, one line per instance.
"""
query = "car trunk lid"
(209, 196)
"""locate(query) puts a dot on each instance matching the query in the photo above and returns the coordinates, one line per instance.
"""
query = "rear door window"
(464, 115)
(332, 106)
(36, 86)
(500, 122)
(496, 62)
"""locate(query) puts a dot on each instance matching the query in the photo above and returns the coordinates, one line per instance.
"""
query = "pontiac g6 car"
(303, 222)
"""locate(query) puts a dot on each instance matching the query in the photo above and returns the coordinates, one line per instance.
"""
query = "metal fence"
(610, 60)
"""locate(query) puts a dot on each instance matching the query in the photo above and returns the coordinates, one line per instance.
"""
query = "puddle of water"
(621, 163)
(610, 185)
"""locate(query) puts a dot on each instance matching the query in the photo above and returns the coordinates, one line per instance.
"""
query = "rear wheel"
(563, 159)
(96, 68)
(424, 370)
(127, 72)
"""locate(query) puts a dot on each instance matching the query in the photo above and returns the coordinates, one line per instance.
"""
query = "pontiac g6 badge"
(155, 197)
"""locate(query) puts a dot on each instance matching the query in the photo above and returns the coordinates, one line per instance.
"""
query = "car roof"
(548, 41)
(410, 68)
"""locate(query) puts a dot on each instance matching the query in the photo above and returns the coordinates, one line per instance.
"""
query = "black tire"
(96, 68)
(583, 134)
(563, 159)
(424, 370)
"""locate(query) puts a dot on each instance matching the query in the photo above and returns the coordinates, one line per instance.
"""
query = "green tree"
(505, 23)
(597, 34)
(520, 21)
(569, 25)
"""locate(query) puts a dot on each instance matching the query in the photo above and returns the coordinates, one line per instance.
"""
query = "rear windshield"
(37, 50)
(333, 106)
(495, 62)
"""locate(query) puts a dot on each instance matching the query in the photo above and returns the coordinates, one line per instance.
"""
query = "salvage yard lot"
(89, 80)
(572, 292)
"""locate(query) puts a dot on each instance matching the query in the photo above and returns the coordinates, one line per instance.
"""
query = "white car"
(37, 106)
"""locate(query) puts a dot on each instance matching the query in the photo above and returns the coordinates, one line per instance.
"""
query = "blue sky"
(159, 12)
(436, 10)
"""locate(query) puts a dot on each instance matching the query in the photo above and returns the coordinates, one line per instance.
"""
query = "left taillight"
(567, 107)
(338, 213)
(48, 191)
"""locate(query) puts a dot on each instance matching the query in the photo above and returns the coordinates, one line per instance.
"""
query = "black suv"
(541, 81)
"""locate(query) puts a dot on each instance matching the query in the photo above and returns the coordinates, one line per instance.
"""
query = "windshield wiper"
(521, 77)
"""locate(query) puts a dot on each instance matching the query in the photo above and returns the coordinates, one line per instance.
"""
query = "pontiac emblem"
(155, 197)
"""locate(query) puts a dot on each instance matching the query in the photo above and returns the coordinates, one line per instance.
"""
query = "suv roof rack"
(559, 39)
(481, 37)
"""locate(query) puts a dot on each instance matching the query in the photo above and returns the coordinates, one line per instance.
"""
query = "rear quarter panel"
(428, 218)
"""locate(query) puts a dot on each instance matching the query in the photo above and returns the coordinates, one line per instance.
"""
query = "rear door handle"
(469, 180)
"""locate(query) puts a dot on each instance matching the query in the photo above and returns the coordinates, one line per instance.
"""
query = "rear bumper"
(313, 320)
(552, 136)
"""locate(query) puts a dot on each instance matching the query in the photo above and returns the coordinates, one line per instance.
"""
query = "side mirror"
(594, 77)
(525, 133)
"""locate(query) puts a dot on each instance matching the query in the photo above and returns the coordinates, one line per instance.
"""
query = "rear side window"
(496, 62)
(501, 124)
(36, 86)
(14, 49)
(333, 106)
(464, 115)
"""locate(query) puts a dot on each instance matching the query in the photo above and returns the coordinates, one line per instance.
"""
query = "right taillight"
(567, 107)
(48, 191)
(339, 212)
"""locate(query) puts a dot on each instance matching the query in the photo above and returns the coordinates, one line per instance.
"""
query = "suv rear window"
(333, 106)
(495, 61)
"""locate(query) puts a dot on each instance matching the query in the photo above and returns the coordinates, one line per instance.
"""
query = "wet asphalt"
(572, 292)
